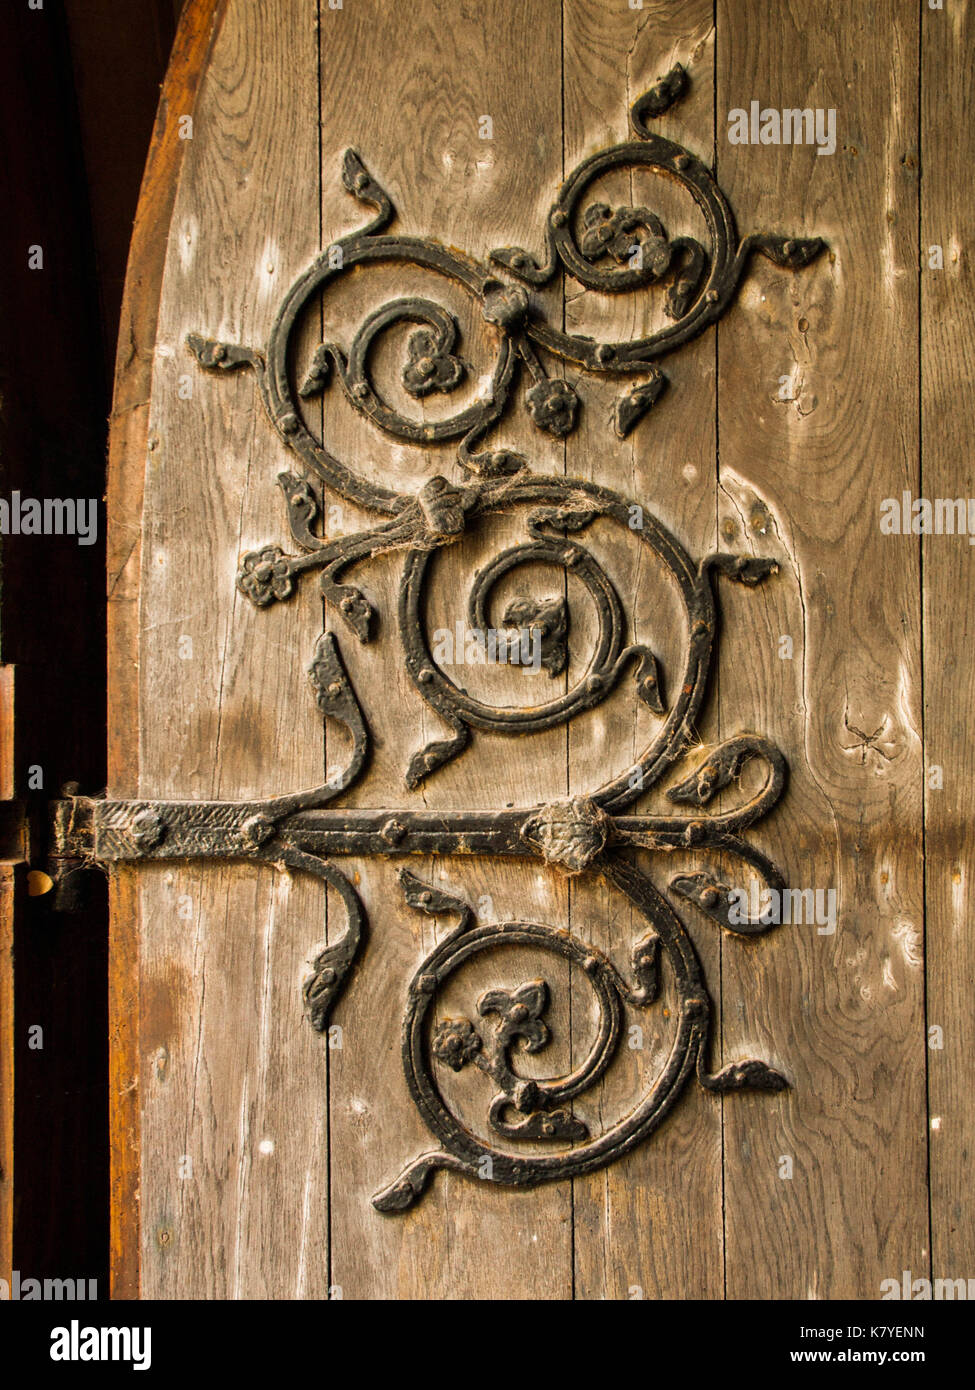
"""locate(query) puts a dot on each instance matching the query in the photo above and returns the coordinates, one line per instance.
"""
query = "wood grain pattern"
(412, 111)
(779, 435)
(233, 1085)
(947, 362)
(649, 1226)
(805, 476)
(128, 437)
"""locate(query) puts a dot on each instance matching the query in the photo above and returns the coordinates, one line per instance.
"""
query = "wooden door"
(445, 318)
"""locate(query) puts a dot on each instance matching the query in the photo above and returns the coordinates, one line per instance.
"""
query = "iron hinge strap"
(104, 832)
(569, 835)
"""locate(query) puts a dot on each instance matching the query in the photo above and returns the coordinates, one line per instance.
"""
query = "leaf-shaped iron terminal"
(660, 98)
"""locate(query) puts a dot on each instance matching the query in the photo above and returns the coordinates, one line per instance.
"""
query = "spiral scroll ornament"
(529, 1133)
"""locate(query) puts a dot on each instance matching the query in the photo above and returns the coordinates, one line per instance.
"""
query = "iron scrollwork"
(609, 250)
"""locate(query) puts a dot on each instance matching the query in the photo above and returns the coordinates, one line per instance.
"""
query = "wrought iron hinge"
(609, 251)
(70, 848)
(13, 832)
(23, 833)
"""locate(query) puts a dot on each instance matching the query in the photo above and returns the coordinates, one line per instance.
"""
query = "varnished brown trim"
(198, 27)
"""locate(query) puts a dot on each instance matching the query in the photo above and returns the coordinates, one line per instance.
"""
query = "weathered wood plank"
(411, 104)
(127, 448)
(948, 471)
(802, 472)
(288, 1140)
(650, 1225)
(233, 1081)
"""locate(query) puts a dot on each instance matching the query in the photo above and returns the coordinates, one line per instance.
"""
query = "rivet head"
(361, 390)
(256, 829)
(392, 832)
(559, 217)
(710, 897)
(147, 829)
(604, 353)
(594, 683)
(288, 423)
(425, 675)
(712, 296)
(681, 161)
